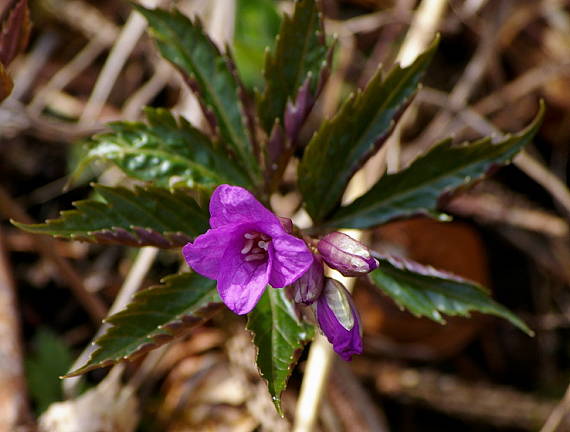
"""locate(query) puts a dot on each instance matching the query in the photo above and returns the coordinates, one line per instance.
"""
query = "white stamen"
(254, 257)
(247, 246)
(250, 236)
(256, 250)
(263, 244)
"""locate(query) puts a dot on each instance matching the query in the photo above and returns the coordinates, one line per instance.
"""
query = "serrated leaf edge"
(175, 328)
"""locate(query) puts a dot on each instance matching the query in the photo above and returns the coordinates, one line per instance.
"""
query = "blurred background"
(90, 62)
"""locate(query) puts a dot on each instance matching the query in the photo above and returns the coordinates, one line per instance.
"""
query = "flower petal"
(236, 205)
(309, 286)
(347, 255)
(290, 259)
(346, 343)
(240, 283)
(205, 254)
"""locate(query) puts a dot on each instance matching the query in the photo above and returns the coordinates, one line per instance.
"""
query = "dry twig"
(13, 396)
(46, 246)
(492, 404)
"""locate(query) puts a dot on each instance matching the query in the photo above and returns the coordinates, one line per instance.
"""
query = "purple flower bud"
(286, 223)
(309, 286)
(348, 256)
(339, 319)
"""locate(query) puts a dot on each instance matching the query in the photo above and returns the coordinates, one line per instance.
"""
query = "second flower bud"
(347, 255)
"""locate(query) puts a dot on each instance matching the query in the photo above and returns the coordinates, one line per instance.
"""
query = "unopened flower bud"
(309, 286)
(339, 319)
(348, 256)
(286, 223)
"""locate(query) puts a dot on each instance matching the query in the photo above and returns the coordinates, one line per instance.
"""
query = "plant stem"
(423, 27)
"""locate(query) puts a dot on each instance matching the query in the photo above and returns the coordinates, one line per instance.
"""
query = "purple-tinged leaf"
(300, 54)
(14, 34)
(140, 217)
(166, 151)
(276, 148)
(427, 292)
(295, 73)
(155, 316)
(362, 124)
(14, 30)
(298, 109)
(431, 179)
(211, 76)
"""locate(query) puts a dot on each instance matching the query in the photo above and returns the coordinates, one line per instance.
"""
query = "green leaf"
(143, 217)
(300, 54)
(49, 359)
(442, 171)
(257, 23)
(427, 292)
(166, 151)
(184, 43)
(354, 134)
(279, 337)
(154, 317)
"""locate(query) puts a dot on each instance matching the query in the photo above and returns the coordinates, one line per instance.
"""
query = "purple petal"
(347, 255)
(205, 254)
(309, 286)
(346, 343)
(290, 259)
(241, 283)
(231, 205)
(275, 146)
(287, 224)
(296, 112)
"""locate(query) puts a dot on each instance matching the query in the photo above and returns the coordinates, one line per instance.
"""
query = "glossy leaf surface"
(427, 292)
(419, 188)
(300, 54)
(354, 134)
(143, 217)
(210, 74)
(257, 23)
(154, 317)
(279, 337)
(165, 151)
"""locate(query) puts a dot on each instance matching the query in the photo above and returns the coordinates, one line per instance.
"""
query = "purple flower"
(347, 255)
(245, 249)
(309, 286)
(339, 319)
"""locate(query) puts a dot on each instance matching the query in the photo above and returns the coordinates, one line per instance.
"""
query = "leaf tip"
(277, 402)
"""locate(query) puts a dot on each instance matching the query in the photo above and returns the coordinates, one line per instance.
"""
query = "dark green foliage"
(427, 292)
(300, 54)
(419, 188)
(167, 152)
(354, 134)
(49, 359)
(210, 74)
(143, 217)
(279, 336)
(257, 23)
(154, 316)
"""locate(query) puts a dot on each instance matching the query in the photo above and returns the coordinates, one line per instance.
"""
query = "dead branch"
(13, 396)
(497, 405)
(46, 246)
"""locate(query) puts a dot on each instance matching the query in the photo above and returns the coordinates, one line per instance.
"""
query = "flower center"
(255, 246)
